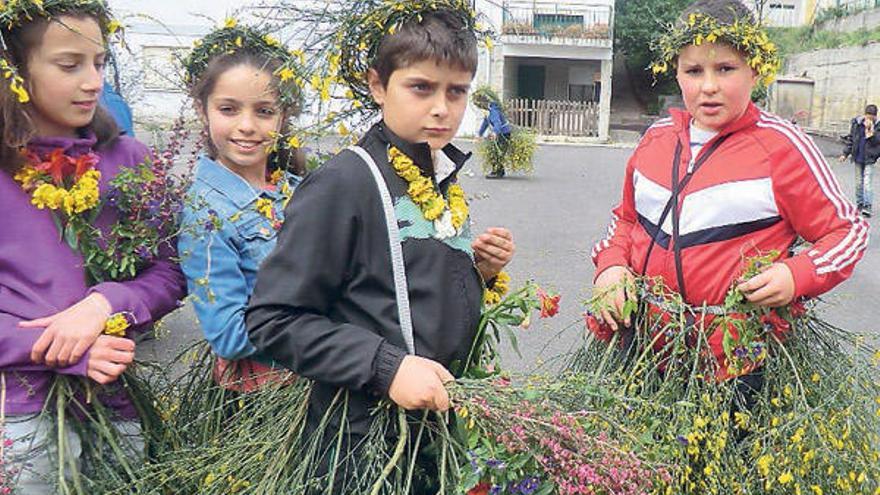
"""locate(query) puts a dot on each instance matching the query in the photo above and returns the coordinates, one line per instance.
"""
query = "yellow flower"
(741, 419)
(18, 90)
(271, 41)
(817, 490)
(458, 206)
(785, 478)
(434, 208)
(113, 26)
(659, 68)
(230, 23)
(265, 208)
(239, 42)
(285, 74)
(116, 325)
(764, 464)
(293, 142)
(488, 41)
(276, 176)
(343, 131)
(26, 176)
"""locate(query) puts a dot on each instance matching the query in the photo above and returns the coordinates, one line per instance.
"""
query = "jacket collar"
(226, 182)
(682, 120)
(72, 146)
(421, 152)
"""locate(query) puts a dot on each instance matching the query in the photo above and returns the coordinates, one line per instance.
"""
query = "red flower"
(481, 489)
(549, 304)
(601, 330)
(797, 309)
(84, 163)
(778, 325)
(57, 165)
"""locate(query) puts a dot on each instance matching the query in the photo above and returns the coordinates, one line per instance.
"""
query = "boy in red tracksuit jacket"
(723, 181)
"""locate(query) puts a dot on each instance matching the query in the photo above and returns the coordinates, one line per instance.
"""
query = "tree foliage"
(637, 22)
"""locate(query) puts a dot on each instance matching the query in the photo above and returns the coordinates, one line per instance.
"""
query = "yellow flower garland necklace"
(46, 182)
(423, 193)
(266, 206)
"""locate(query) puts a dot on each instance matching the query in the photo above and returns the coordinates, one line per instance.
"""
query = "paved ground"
(556, 215)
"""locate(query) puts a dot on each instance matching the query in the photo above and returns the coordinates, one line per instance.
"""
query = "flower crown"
(483, 96)
(362, 31)
(232, 38)
(16, 13)
(744, 35)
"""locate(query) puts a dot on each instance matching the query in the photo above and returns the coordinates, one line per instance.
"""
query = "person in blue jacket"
(487, 100)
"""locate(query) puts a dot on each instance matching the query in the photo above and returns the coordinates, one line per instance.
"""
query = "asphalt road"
(556, 215)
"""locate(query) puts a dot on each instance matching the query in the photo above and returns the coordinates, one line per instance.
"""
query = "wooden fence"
(555, 118)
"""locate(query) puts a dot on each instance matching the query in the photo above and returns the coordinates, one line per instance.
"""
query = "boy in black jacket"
(325, 302)
(863, 145)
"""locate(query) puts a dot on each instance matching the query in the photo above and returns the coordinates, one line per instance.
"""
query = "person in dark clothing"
(329, 301)
(863, 146)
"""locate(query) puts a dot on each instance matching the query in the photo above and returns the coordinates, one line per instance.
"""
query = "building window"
(557, 22)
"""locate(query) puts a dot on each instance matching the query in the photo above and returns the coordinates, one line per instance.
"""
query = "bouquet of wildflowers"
(149, 199)
(792, 405)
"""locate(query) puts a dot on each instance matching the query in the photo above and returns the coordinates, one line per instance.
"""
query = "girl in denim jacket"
(242, 183)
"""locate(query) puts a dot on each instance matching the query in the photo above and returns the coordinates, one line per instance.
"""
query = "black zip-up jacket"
(324, 303)
(851, 141)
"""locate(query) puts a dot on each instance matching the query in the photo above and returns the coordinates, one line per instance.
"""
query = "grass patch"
(804, 39)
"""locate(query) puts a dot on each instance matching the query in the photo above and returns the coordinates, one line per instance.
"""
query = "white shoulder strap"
(400, 286)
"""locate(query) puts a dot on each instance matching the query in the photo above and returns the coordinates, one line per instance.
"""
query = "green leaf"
(70, 237)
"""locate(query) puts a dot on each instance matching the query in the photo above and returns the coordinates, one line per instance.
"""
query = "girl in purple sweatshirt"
(51, 321)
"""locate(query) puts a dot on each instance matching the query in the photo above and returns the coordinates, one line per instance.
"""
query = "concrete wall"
(867, 19)
(845, 80)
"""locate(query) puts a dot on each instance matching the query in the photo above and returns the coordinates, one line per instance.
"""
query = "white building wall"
(159, 29)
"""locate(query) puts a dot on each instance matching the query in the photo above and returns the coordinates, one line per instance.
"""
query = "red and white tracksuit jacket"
(766, 184)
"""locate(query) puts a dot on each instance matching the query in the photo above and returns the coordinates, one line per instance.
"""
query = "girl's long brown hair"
(16, 126)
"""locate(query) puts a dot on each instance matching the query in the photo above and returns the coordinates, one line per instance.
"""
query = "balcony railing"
(558, 19)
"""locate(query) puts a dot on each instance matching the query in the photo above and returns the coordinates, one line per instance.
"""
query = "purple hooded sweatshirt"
(40, 275)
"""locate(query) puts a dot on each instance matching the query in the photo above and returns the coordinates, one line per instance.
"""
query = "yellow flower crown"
(368, 22)
(15, 13)
(744, 35)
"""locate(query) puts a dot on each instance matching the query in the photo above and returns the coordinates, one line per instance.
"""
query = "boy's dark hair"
(440, 36)
(724, 11)
(871, 110)
(217, 66)
(16, 125)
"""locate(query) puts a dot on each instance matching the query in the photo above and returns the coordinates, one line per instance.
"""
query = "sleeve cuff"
(114, 292)
(385, 365)
(802, 272)
(80, 368)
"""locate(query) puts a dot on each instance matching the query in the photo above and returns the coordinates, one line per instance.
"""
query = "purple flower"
(682, 440)
(143, 252)
(494, 464)
(527, 486)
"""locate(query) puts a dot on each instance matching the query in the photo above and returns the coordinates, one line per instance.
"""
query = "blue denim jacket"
(223, 241)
